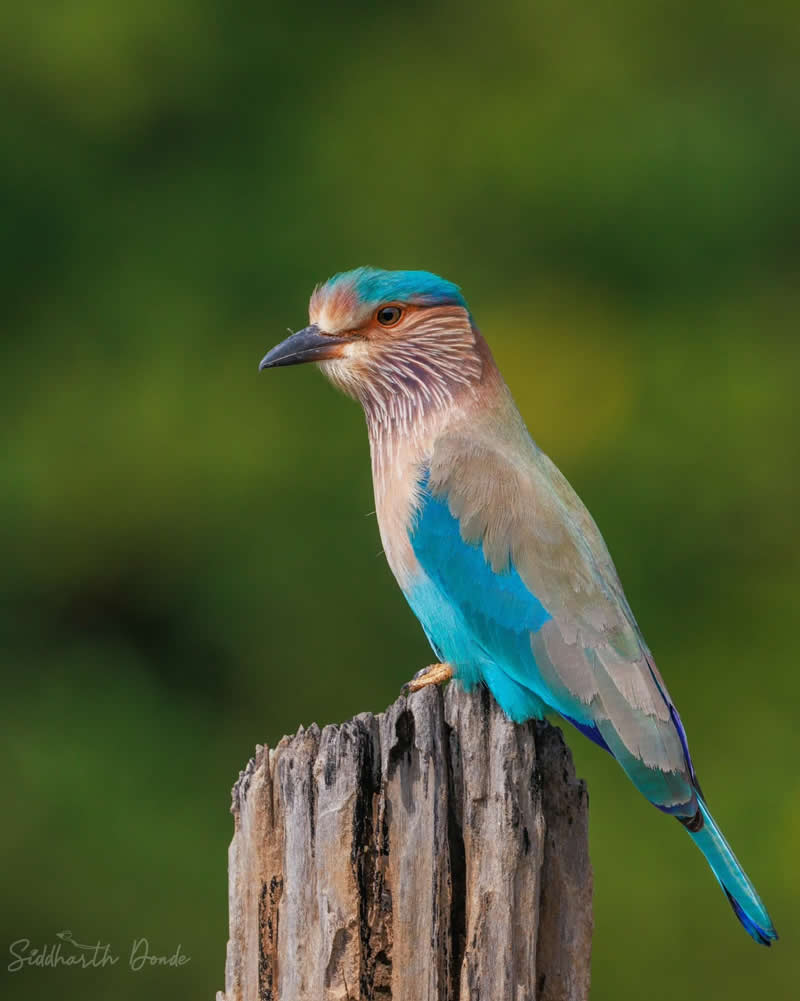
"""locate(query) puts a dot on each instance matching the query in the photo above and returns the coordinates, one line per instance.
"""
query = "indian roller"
(499, 559)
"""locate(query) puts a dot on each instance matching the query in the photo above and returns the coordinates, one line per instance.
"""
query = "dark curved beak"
(309, 344)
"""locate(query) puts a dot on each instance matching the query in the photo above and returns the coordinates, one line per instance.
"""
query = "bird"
(497, 556)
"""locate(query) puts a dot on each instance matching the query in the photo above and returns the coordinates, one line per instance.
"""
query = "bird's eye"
(387, 316)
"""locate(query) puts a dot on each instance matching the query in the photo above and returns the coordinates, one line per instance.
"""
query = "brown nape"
(489, 370)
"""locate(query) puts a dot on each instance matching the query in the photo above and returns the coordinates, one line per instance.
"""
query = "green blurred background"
(189, 564)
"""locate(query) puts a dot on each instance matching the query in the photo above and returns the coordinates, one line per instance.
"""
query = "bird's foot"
(433, 675)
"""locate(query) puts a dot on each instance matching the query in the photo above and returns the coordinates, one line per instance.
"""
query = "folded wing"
(512, 548)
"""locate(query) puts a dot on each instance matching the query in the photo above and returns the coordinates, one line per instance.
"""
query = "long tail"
(741, 893)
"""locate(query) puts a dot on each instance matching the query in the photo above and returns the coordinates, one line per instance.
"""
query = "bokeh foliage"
(188, 564)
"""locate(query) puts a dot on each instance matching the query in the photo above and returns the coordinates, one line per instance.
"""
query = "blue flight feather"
(589, 730)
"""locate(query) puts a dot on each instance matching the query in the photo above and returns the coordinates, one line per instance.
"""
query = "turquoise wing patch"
(474, 617)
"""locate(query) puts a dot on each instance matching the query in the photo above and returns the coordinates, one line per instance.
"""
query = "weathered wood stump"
(437, 852)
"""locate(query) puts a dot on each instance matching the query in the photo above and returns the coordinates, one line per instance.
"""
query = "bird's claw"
(435, 674)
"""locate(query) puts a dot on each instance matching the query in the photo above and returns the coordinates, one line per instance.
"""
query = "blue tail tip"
(764, 936)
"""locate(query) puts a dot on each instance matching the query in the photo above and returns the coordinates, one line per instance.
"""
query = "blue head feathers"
(373, 286)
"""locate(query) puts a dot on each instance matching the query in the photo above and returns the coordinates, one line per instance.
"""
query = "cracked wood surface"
(436, 852)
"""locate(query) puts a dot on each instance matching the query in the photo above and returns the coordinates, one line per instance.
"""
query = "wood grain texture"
(436, 851)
